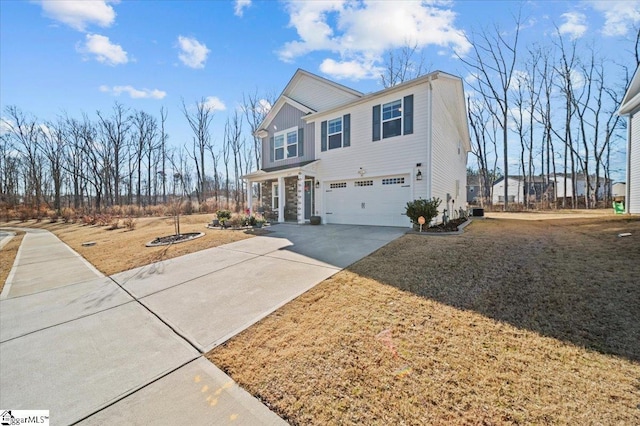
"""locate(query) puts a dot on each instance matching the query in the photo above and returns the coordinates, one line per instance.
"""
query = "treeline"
(122, 158)
(558, 102)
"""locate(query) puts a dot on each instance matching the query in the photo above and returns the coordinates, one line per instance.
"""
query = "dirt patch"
(121, 249)
(9, 252)
(510, 322)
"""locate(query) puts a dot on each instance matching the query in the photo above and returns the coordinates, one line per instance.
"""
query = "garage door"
(368, 201)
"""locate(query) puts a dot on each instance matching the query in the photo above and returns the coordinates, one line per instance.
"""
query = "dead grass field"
(512, 322)
(120, 249)
(9, 252)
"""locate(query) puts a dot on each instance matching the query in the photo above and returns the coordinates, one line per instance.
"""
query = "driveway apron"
(129, 347)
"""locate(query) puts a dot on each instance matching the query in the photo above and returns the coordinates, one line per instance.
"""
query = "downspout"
(627, 195)
(429, 167)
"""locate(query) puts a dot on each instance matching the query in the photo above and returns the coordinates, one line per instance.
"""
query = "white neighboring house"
(515, 190)
(618, 190)
(351, 158)
(581, 185)
(630, 108)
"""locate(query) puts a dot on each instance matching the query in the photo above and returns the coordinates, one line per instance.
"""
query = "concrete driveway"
(129, 347)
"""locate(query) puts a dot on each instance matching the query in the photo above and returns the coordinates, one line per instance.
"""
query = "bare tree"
(402, 65)
(494, 62)
(199, 121)
(115, 130)
(53, 145)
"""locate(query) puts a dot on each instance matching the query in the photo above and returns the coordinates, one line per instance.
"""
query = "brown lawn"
(120, 249)
(9, 252)
(511, 322)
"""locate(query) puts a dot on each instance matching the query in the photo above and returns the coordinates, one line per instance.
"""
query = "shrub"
(129, 223)
(426, 208)
(236, 221)
(223, 215)
(115, 224)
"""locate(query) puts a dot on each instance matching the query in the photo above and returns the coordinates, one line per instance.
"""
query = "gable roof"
(302, 92)
(631, 99)
(458, 104)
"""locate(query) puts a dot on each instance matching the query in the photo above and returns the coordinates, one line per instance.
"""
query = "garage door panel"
(374, 201)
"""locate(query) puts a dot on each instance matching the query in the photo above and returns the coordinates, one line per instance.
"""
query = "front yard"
(511, 322)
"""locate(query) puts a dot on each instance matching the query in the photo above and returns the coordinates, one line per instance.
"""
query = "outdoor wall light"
(317, 184)
(419, 175)
(361, 172)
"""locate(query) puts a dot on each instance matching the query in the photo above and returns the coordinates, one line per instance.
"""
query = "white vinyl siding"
(448, 164)
(633, 183)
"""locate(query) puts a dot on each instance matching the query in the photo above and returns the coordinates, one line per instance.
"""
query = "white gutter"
(429, 166)
(627, 197)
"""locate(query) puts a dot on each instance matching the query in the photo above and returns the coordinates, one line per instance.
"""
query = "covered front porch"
(286, 195)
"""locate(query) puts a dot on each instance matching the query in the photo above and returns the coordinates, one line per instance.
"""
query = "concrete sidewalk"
(92, 349)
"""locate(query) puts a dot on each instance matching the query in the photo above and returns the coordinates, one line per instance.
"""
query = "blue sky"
(81, 56)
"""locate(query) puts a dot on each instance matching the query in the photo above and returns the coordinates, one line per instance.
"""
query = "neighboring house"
(351, 158)
(520, 187)
(515, 190)
(581, 185)
(474, 190)
(618, 191)
(630, 108)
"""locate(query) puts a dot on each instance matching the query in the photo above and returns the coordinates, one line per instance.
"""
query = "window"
(275, 197)
(292, 144)
(285, 144)
(393, 118)
(338, 185)
(278, 146)
(335, 133)
(393, 181)
(364, 183)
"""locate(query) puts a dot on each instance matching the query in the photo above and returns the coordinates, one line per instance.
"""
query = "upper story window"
(393, 118)
(285, 144)
(335, 133)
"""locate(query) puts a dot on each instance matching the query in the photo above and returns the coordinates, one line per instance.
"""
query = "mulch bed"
(174, 239)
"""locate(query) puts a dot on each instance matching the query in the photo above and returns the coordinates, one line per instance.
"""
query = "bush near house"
(426, 208)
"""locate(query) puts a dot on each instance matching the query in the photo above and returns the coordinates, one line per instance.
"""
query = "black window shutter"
(346, 130)
(408, 115)
(300, 141)
(323, 136)
(271, 149)
(376, 123)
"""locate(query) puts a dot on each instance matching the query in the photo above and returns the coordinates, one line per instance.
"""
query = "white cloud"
(104, 51)
(354, 31)
(241, 5)
(620, 16)
(355, 70)
(192, 53)
(574, 25)
(133, 92)
(264, 106)
(79, 13)
(213, 103)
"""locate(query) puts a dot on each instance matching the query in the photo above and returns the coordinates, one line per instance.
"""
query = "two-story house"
(351, 158)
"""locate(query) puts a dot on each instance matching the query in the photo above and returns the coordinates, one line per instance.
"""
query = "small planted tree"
(425, 208)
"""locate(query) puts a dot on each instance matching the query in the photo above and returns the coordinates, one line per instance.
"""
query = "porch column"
(281, 199)
(250, 196)
(300, 196)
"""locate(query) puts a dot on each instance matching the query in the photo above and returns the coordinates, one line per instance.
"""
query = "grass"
(9, 252)
(511, 322)
(121, 249)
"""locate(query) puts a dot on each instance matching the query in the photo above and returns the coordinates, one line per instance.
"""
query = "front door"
(308, 199)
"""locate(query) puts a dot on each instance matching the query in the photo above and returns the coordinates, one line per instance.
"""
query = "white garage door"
(368, 201)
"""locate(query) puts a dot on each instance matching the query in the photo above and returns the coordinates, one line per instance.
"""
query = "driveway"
(130, 346)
